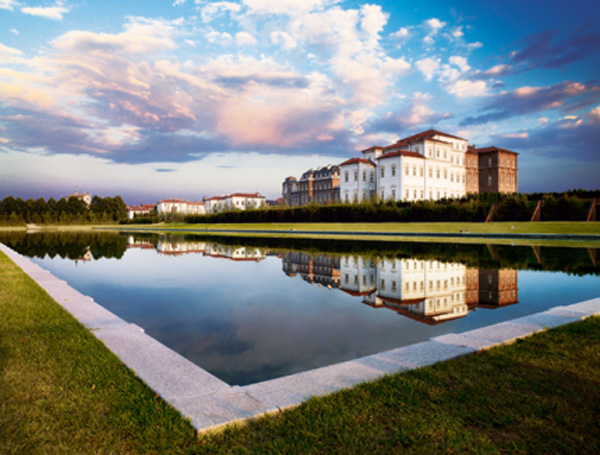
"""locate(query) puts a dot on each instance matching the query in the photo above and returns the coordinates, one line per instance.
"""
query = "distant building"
(179, 206)
(85, 197)
(430, 165)
(234, 201)
(320, 185)
(139, 210)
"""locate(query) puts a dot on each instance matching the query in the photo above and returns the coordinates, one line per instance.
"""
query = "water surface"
(251, 310)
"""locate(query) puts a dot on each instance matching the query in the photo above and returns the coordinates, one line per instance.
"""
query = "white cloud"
(434, 25)
(461, 62)
(245, 39)
(14, 31)
(216, 9)
(215, 37)
(140, 36)
(50, 12)
(283, 38)
(178, 2)
(373, 19)
(287, 7)
(463, 88)
(8, 52)
(8, 4)
(402, 33)
(458, 33)
(428, 66)
(543, 120)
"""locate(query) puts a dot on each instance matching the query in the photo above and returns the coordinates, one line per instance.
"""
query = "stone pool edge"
(211, 403)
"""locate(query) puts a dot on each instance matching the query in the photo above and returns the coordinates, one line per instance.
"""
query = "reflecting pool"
(249, 310)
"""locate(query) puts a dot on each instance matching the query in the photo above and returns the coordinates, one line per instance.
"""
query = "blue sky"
(154, 99)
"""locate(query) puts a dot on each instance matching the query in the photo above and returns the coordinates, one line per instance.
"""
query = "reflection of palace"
(427, 291)
(322, 269)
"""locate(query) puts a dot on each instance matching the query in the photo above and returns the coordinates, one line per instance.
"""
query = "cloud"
(434, 26)
(594, 115)
(416, 116)
(50, 12)
(8, 4)
(464, 88)
(285, 39)
(545, 50)
(245, 39)
(565, 96)
(401, 34)
(554, 140)
(287, 7)
(428, 66)
(216, 9)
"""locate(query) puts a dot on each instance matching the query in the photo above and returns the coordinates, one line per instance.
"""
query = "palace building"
(430, 165)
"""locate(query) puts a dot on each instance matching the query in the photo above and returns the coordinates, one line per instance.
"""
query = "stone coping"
(211, 403)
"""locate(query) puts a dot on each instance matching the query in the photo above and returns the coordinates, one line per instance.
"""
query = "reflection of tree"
(580, 261)
(71, 245)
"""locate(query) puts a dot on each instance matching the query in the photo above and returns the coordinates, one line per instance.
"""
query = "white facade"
(235, 201)
(358, 180)
(179, 206)
(429, 165)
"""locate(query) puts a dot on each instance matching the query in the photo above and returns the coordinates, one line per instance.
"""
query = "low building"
(85, 197)
(179, 206)
(139, 210)
(234, 201)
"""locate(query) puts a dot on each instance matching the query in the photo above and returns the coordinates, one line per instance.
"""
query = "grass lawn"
(277, 229)
(62, 392)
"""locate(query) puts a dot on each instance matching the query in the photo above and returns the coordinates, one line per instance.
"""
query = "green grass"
(548, 227)
(62, 392)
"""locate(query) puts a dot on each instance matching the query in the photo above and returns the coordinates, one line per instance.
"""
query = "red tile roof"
(357, 160)
(428, 134)
(403, 153)
(491, 149)
(255, 195)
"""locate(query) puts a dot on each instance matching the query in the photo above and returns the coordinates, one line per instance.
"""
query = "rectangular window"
(393, 170)
(364, 176)
(346, 176)
(415, 171)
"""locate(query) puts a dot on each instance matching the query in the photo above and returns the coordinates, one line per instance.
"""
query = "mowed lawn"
(62, 392)
(548, 227)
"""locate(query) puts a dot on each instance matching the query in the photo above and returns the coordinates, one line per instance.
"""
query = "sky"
(192, 98)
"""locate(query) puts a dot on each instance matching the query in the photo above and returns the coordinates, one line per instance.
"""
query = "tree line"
(566, 206)
(72, 210)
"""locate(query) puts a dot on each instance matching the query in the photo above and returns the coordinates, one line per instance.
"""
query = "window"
(489, 161)
(382, 195)
(437, 172)
(407, 170)
(421, 171)
(394, 194)
(364, 176)
(452, 177)
(490, 180)
(445, 174)
(371, 176)
(346, 176)
(430, 173)
(415, 193)
(355, 176)
(407, 194)
(393, 170)
(382, 171)
(415, 171)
